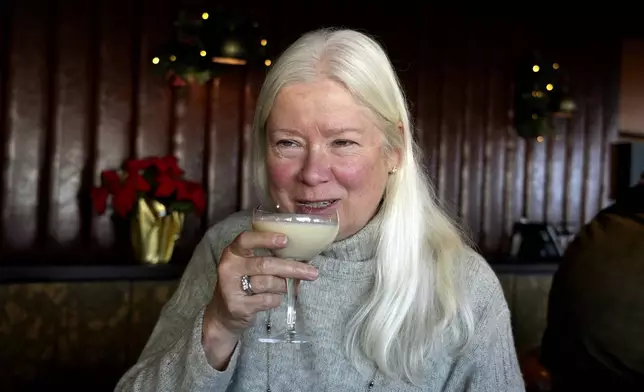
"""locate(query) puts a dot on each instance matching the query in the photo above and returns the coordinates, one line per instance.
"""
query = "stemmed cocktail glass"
(308, 235)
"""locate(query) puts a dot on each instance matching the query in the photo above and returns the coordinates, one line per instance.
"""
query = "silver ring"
(245, 284)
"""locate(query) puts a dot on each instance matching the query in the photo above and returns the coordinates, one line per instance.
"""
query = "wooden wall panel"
(496, 114)
(473, 141)
(77, 336)
(153, 98)
(6, 13)
(148, 299)
(594, 139)
(78, 95)
(453, 106)
(575, 157)
(70, 105)
(116, 113)
(26, 130)
(248, 194)
(230, 116)
(556, 173)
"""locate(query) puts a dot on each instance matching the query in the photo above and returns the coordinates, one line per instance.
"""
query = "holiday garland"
(206, 41)
(541, 94)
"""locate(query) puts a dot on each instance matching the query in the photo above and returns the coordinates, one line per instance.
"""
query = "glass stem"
(290, 304)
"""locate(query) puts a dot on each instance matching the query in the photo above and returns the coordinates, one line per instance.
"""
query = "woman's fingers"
(244, 244)
(261, 302)
(279, 267)
(267, 284)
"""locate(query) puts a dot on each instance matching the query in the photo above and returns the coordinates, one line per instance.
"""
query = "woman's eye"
(286, 144)
(343, 143)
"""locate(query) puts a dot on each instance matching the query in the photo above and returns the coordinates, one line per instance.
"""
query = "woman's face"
(325, 153)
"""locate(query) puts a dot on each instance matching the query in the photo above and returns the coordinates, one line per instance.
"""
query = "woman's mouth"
(315, 207)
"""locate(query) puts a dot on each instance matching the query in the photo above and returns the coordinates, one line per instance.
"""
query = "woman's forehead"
(324, 106)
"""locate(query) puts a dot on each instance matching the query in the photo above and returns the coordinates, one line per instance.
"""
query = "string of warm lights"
(541, 94)
(207, 41)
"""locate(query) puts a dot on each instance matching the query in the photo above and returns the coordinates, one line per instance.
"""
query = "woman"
(397, 303)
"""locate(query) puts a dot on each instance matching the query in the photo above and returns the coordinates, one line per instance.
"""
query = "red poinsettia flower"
(99, 199)
(124, 200)
(199, 201)
(182, 190)
(111, 180)
(165, 185)
(169, 165)
(178, 81)
(137, 182)
(136, 165)
(151, 177)
(192, 191)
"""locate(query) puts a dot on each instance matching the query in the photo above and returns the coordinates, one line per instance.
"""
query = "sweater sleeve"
(495, 365)
(490, 362)
(173, 358)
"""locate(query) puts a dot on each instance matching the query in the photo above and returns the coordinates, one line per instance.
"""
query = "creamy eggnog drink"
(305, 239)
(307, 235)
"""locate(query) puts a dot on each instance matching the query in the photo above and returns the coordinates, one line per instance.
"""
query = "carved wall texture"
(77, 336)
(78, 95)
(84, 336)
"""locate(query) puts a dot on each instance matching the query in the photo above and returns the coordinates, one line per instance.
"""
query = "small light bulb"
(555, 66)
(263, 42)
(155, 60)
(539, 139)
(205, 16)
(267, 63)
(203, 53)
(173, 58)
(535, 68)
(549, 87)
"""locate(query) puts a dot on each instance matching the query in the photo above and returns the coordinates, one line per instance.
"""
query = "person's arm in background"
(490, 362)
(174, 358)
(495, 367)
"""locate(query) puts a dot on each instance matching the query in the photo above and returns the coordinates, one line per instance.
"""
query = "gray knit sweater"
(174, 360)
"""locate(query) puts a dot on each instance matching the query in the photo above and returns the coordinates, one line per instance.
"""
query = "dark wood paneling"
(69, 128)
(29, 324)
(78, 336)
(78, 95)
(473, 140)
(6, 13)
(496, 124)
(117, 115)
(576, 144)
(229, 117)
(594, 139)
(147, 300)
(454, 71)
(26, 130)
(556, 173)
(154, 98)
(248, 196)
(94, 319)
(428, 102)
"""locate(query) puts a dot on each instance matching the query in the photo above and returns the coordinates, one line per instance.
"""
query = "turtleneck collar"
(351, 258)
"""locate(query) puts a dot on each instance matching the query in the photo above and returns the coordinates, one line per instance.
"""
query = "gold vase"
(154, 232)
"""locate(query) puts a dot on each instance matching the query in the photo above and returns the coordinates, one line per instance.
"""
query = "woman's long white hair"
(416, 307)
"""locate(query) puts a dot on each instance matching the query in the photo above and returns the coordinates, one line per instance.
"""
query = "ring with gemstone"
(245, 284)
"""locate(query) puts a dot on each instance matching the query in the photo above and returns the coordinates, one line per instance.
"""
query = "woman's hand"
(231, 309)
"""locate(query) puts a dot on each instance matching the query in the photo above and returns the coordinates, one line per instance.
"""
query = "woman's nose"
(316, 168)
